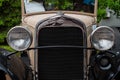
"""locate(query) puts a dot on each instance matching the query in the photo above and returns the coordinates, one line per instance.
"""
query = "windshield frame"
(66, 12)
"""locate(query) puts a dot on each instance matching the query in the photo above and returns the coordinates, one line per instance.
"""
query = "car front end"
(63, 42)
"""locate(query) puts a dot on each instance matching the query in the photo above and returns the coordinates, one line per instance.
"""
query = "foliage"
(112, 4)
(10, 13)
(101, 14)
(2, 36)
(7, 47)
(115, 5)
(66, 4)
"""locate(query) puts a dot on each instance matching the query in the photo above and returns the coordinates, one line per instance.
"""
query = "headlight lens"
(19, 38)
(103, 38)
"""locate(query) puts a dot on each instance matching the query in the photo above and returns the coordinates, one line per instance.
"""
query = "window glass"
(56, 5)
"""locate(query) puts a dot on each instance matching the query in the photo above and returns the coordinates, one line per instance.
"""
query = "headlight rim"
(97, 30)
(30, 35)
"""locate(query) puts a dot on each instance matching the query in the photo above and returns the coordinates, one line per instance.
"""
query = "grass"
(7, 48)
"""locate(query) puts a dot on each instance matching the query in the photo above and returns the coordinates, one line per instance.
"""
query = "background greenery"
(112, 4)
(10, 14)
(66, 4)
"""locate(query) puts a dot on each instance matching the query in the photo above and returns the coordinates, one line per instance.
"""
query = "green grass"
(7, 48)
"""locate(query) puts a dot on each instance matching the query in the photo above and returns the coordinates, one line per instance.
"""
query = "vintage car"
(60, 40)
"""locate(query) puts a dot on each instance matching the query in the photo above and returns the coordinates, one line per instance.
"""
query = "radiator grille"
(60, 63)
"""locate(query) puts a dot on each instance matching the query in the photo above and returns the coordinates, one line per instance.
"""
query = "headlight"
(19, 38)
(102, 38)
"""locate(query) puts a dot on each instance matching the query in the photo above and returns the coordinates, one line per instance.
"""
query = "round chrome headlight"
(102, 38)
(19, 38)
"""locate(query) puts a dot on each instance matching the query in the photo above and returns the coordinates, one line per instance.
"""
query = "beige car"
(63, 42)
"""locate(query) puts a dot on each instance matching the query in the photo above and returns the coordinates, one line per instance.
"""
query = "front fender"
(13, 66)
(5, 74)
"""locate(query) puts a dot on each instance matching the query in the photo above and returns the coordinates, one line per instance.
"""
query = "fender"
(13, 67)
(4, 71)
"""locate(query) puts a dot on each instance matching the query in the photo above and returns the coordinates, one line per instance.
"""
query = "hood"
(34, 19)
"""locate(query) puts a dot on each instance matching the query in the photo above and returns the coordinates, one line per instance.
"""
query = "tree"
(112, 4)
(10, 13)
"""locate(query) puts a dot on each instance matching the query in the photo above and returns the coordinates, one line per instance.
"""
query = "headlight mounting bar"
(60, 46)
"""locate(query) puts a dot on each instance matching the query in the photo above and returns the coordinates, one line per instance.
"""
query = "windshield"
(32, 6)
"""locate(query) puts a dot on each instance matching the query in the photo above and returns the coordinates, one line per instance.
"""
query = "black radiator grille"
(60, 63)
